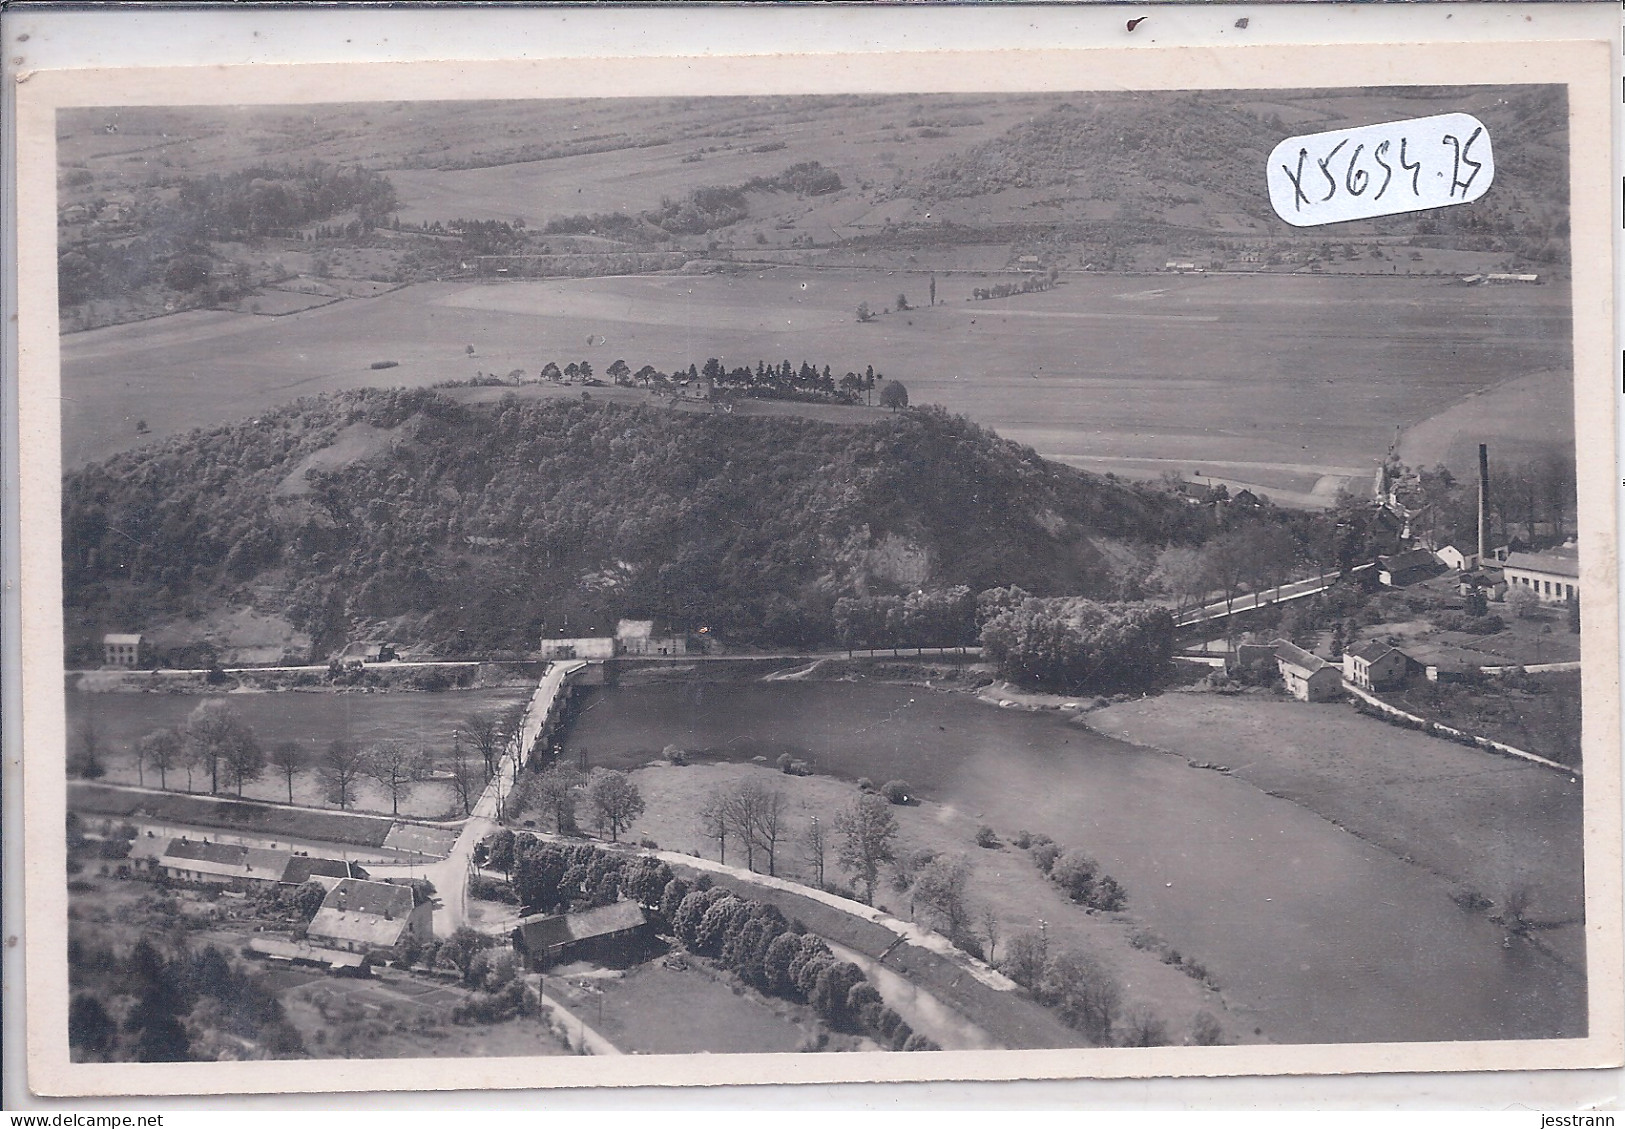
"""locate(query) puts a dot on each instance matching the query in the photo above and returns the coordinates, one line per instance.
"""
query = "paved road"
(1298, 589)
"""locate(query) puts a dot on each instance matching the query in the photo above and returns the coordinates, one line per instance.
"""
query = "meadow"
(1294, 384)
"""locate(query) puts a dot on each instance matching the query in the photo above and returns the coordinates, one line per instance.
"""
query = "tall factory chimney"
(1483, 503)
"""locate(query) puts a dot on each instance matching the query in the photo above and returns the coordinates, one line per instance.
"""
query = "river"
(1315, 935)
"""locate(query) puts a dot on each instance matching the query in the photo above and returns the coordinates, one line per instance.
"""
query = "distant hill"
(484, 526)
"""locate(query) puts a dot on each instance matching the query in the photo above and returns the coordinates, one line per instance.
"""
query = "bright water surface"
(1314, 935)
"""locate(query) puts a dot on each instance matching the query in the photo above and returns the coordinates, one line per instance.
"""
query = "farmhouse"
(1308, 677)
(1373, 665)
(328, 872)
(122, 650)
(1399, 569)
(222, 864)
(1553, 575)
(358, 916)
(605, 933)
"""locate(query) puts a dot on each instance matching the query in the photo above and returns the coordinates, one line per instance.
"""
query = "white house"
(1553, 575)
(122, 650)
(1308, 677)
(597, 648)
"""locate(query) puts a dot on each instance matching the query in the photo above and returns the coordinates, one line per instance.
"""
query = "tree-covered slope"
(483, 527)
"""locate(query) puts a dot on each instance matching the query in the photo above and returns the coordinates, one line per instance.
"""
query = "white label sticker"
(1380, 170)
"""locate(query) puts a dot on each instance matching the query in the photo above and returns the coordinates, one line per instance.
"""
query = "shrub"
(896, 792)
(1075, 872)
(1023, 840)
(865, 784)
(491, 890)
(1044, 856)
(985, 837)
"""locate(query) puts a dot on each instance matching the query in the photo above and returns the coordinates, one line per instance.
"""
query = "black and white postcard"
(1009, 565)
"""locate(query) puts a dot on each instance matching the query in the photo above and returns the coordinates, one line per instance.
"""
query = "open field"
(1484, 822)
(678, 1007)
(1283, 382)
(1542, 403)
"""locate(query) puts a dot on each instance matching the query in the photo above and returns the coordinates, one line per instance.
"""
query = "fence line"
(1438, 728)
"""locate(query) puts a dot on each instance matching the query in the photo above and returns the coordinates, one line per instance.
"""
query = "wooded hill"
(479, 528)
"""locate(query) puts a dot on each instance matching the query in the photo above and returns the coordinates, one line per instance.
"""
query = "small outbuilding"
(1399, 569)
(1307, 677)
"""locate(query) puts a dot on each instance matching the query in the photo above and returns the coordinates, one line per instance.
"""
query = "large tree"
(289, 758)
(398, 768)
(341, 768)
(868, 832)
(555, 790)
(162, 750)
(243, 759)
(218, 735)
(485, 731)
(616, 801)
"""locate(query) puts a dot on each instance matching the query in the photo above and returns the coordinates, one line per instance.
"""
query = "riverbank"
(1497, 829)
(1002, 882)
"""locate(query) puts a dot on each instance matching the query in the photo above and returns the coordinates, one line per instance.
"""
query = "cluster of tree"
(754, 941)
(750, 813)
(1029, 284)
(752, 527)
(614, 800)
(712, 207)
(1082, 990)
(1534, 500)
(142, 1005)
(489, 237)
(271, 200)
(176, 229)
(1073, 645)
(1254, 556)
(944, 617)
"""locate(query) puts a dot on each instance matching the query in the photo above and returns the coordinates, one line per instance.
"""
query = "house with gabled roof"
(1374, 665)
(1307, 676)
(359, 916)
(222, 864)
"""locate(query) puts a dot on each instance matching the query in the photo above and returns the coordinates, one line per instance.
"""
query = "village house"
(1374, 665)
(1553, 575)
(359, 916)
(121, 650)
(239, 865)
(1307, 677)
(607, 934)
(1399, 569)
(222, 864)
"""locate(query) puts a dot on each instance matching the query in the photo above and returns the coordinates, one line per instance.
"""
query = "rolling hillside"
(481, 527)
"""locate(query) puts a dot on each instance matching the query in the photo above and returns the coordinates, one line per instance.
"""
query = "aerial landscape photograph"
(818, 574)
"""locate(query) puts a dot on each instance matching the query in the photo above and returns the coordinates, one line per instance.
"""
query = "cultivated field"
(1293, 384)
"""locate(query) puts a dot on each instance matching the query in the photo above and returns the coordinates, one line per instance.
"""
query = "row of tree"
(215, 742)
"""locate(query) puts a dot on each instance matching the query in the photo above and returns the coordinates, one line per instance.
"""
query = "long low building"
(1553, 575)
(232, 864)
